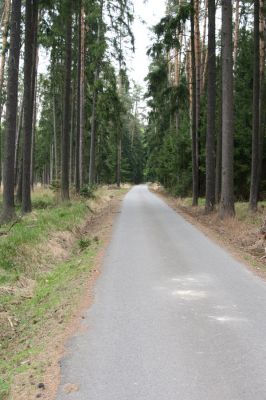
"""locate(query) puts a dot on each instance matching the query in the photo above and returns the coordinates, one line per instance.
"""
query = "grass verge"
(45, 265)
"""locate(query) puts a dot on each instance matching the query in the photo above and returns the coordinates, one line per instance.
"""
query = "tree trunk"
(195, 160)
(198, 83)
(18, 136)
(236, 33)
(92, 167)
(11, 111)
(92, 170)
(254, 185)
(31, 27)
(55, 138)
(4, 34)
(118, 161)
(77, 149)
(218, 165)
(210, 138)
(227, 208)
(66, 125)
(262, 91)
(204, 53)
(34, 102)
(82, 92)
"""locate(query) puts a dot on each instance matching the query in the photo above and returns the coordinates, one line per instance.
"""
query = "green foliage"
(30, 231)
(84, 243)
(88, 191)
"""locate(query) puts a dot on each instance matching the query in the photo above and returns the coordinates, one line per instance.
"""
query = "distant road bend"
(175, 317)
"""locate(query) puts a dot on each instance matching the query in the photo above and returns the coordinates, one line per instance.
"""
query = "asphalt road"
(175, 317)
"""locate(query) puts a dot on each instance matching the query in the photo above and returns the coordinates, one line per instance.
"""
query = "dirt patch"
(41, 380)
(242, 238)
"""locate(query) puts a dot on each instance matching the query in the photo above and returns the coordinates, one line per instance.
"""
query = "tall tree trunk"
(66, 125)
(254, 185)
(82, 91)
(11, 111)
(211, 111)
(92, 169)
(55, 138)
(34, 98)
(77, 149)
(262, 90)
(198, 80)
(29, 77)
(195, 160)
(218, 165)
(18, 136)
(236, 33)
(204, 53)
(4, 34)
(227, 208)
(119, 157)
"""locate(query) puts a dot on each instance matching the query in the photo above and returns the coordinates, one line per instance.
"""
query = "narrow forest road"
(175, 317)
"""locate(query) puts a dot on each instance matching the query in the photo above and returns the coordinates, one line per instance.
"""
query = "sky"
(150, 11)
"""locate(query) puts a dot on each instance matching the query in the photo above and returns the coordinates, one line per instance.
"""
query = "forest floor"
(48, 262)
(240, 235)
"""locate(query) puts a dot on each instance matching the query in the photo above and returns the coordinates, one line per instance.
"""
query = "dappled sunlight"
(189, 294)
(226, 318)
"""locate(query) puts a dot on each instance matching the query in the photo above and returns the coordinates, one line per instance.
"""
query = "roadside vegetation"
(46, 260)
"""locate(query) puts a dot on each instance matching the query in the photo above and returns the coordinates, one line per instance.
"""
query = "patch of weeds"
(88, 191)
(84, 243)
(4, 388)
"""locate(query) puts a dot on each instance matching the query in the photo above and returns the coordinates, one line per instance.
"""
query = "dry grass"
(47, 260)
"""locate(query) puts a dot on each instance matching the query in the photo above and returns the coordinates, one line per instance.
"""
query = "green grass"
(58, 283)
(33, 229)
(57, 292)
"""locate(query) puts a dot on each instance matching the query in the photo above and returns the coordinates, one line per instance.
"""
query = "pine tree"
(11, 111)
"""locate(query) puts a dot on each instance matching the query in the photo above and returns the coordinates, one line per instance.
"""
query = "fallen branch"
(5, 233)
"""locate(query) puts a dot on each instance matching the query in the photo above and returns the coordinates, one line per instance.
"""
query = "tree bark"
(262, 90)
(82, 92)
(11, 111)
(211, 107)
(227, 208)
(77, 149)
(55, 138)
(195, 160)
(254, 185)
(236, 33)
(29, 77)
(6, 18)
(92, 167)
(66, 125)
(92, 170)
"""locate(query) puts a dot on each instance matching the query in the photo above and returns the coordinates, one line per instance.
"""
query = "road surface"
(175, 317)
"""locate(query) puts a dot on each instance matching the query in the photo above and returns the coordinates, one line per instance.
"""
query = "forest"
(206, 92)
(69, 116)
(79, 134)
(70, 112)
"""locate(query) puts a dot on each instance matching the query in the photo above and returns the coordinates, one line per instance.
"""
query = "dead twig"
(5, 233)
(10, 322)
